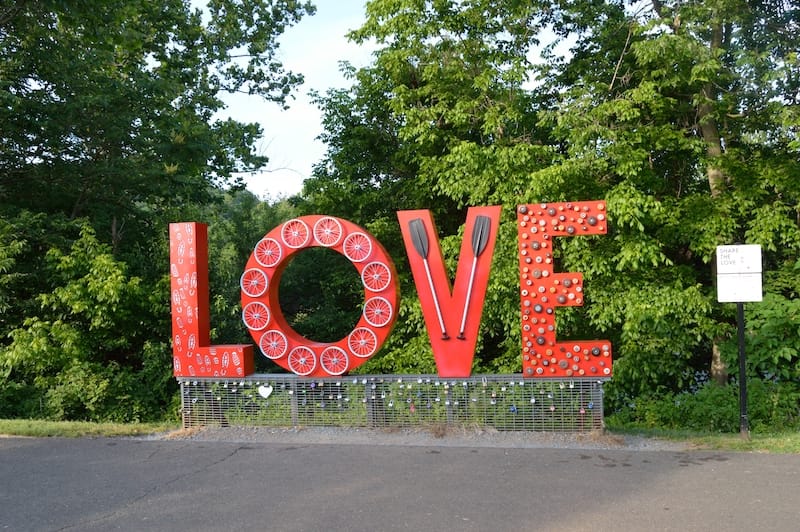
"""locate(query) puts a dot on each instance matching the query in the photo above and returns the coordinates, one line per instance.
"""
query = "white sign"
(739, 259)
(739, 274)
(739, 287)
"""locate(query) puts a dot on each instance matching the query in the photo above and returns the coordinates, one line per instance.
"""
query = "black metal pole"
(744, 428)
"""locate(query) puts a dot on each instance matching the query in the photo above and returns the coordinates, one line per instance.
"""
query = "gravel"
(429, 436)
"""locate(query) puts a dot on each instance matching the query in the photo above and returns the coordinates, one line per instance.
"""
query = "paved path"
(121, 484)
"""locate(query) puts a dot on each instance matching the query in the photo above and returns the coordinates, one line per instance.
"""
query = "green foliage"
(681, 115)
(236, 222)
(771, 341)
(321, 295)
(109, 133)
(771, 407)
(669, 113)
(10, 247)
(86, 353)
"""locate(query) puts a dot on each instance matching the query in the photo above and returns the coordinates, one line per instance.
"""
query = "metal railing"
(504, 402)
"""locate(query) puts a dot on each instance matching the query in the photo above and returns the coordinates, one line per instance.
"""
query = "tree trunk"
(716, 181)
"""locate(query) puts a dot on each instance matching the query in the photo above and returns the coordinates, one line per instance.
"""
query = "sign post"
(739, 281)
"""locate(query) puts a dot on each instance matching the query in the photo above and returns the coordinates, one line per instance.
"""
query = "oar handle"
(436, 301)
(480, 237)
(419, 238)
(466, 301)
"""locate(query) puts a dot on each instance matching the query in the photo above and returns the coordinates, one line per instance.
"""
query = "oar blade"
(418, 236)
(480, 234)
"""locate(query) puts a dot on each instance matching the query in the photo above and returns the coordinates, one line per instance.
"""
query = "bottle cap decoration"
(542, 354)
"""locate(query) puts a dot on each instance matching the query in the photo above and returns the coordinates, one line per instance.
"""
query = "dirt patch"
(182, 434)
(439, 435)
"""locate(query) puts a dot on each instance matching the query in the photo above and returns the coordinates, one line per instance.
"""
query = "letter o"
(261, 310)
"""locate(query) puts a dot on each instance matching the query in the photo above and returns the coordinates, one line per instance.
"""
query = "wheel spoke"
(254, 282)
(357, 247)
(328, 231)
(302, 360)
(268, 252)
(334, 360)
(255, 315)
(377, 311)
(376, 276)
(295, 233)
(362, 342)
(273, 344)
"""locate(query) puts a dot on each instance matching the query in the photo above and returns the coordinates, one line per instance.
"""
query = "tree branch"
(621, 55)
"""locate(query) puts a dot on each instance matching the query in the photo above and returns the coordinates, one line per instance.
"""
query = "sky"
(313, 47)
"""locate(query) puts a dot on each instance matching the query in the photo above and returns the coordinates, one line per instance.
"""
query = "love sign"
(452, 312)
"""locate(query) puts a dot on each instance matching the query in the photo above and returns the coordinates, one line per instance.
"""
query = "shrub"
(772, 407)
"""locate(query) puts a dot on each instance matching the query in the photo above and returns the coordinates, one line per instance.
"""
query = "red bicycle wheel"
(376, 276)
(334, 360)
(295, 233)
(357, 247)
(328, 231)
(377, 311)
(362, 342)
(302, 360)
(254, 282)
(273, 344)
(268, 252)
(255, 315)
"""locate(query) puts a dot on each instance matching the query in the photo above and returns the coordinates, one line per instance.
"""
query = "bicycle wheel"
(357, 247)
(273, 344)
(377, 311)
(334, 360)
(254, 282)
(302, 360)
(268, 252)
(363, 342)
(295, 233)
(255, 315)
(328, 231)
(376, 276)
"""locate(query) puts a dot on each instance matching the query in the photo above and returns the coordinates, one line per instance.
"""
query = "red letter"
(452, 317)
(542, 290)
(192, 354)
(261, 309)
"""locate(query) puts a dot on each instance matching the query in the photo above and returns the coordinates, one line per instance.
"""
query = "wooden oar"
(480, 236)
(420, 240)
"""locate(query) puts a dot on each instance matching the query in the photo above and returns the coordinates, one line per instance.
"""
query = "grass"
(79, 429)
(783, 443)
(778, 443)
(787, 443)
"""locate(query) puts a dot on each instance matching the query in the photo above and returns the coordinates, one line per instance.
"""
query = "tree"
(10, 247)
(689, 131)
(366, 176)
(110, 107)
(458, 75)
(80, 356)
(109, 133)
(682, 115)
(235, 224)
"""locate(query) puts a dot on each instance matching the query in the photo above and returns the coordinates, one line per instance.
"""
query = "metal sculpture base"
(503, 402)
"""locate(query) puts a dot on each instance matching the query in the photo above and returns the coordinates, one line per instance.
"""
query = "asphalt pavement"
(58, 484)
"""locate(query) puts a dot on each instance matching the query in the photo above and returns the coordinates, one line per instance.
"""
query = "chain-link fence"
(505, 402)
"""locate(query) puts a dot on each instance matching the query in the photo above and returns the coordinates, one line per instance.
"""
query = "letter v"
(452, 316)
